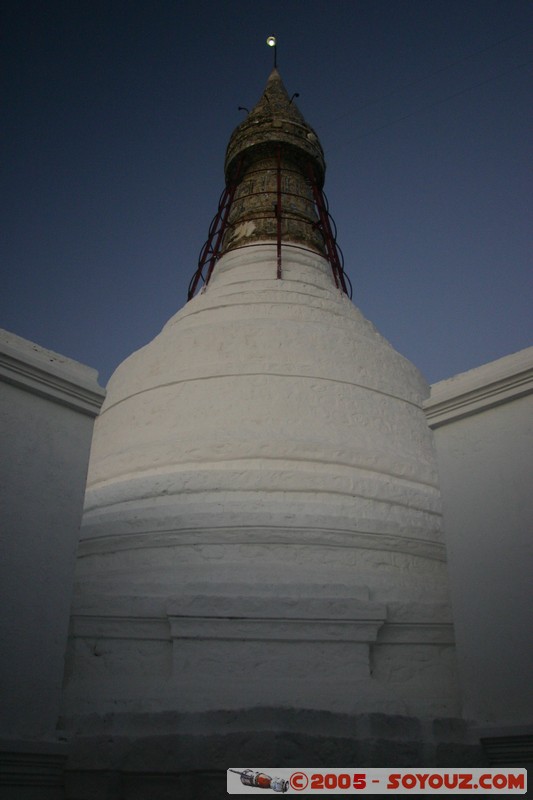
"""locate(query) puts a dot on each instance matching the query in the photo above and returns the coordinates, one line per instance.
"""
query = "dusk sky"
(116, 116)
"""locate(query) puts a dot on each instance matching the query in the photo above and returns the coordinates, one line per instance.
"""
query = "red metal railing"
(210, 252)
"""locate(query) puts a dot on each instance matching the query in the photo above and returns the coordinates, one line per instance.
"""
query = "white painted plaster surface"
(47, 405)
(268, 441)
(484, 437)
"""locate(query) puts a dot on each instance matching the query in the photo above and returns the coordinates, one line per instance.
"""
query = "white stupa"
(262, 547)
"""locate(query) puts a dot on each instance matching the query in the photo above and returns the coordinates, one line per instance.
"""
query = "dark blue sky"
(116, 117)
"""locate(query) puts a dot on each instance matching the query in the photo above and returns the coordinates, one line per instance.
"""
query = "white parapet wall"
(483, 425)
(47, 409)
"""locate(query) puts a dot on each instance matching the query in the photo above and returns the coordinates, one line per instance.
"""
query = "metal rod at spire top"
(271, 42)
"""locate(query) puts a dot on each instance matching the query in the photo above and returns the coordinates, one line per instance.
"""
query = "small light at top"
(271, 41)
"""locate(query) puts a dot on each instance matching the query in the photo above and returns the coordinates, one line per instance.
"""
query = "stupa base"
(118, 757)
(324, 648)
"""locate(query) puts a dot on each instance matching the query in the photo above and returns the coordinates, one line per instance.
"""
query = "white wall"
(483, 424)
(47, 408)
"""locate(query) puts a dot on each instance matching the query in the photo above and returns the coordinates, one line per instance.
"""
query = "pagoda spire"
(273, 156)
(275, 120)
(274, 170)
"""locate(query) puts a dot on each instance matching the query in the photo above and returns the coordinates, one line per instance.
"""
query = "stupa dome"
(266, 411)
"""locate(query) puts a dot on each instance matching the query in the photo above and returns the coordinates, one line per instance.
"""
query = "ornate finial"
(271, 42)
